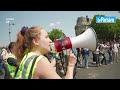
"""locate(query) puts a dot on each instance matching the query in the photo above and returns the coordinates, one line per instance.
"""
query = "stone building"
(82, 24)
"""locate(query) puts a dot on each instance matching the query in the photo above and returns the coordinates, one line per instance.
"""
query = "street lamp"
(10, 31)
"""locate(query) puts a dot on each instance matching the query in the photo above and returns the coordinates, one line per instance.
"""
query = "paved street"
(110, 71)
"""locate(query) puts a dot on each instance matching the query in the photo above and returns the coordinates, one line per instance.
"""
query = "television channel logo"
(105, 19)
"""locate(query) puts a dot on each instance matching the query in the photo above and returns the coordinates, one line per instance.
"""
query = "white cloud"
(58, 23)
(55, 24)
(52, 24)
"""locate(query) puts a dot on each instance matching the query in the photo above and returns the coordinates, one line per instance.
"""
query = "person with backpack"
(11, 62)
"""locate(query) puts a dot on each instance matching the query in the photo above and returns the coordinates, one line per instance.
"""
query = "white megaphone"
(88, 39)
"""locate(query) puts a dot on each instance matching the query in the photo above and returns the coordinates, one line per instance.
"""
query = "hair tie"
(23, 30)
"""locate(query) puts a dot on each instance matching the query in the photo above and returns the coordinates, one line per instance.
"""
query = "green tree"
(55, 34)
(106, 31)
(118, 29)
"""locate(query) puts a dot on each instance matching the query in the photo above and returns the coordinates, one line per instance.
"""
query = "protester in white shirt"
(115, 51)
(3, 57)
(103, 47)
(4, 54)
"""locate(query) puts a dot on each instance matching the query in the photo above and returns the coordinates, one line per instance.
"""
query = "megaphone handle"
(63, 61)
(75, 69)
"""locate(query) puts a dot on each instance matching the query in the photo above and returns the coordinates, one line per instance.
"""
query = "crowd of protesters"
(100, 54)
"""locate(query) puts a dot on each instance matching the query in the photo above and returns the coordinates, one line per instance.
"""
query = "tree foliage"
(55, 34)
(106, 31)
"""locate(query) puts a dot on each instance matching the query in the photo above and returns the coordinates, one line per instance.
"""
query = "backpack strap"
(16, 71)
(30, 74)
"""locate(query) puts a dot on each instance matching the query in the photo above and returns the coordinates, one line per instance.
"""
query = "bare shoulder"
(45, 70)
(42, 59)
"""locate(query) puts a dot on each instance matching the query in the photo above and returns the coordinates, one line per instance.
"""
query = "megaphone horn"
(88, 39)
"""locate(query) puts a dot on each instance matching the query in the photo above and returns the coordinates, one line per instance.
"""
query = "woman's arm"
(71, 65)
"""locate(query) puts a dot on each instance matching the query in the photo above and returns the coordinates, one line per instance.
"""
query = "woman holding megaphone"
(31, 45)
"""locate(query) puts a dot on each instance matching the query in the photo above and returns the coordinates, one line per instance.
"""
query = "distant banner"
(105, 19)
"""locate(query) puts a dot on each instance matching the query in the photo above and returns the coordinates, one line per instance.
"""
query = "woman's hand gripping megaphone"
(71, 59)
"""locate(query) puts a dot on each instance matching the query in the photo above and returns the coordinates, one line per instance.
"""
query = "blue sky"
(64, 20)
